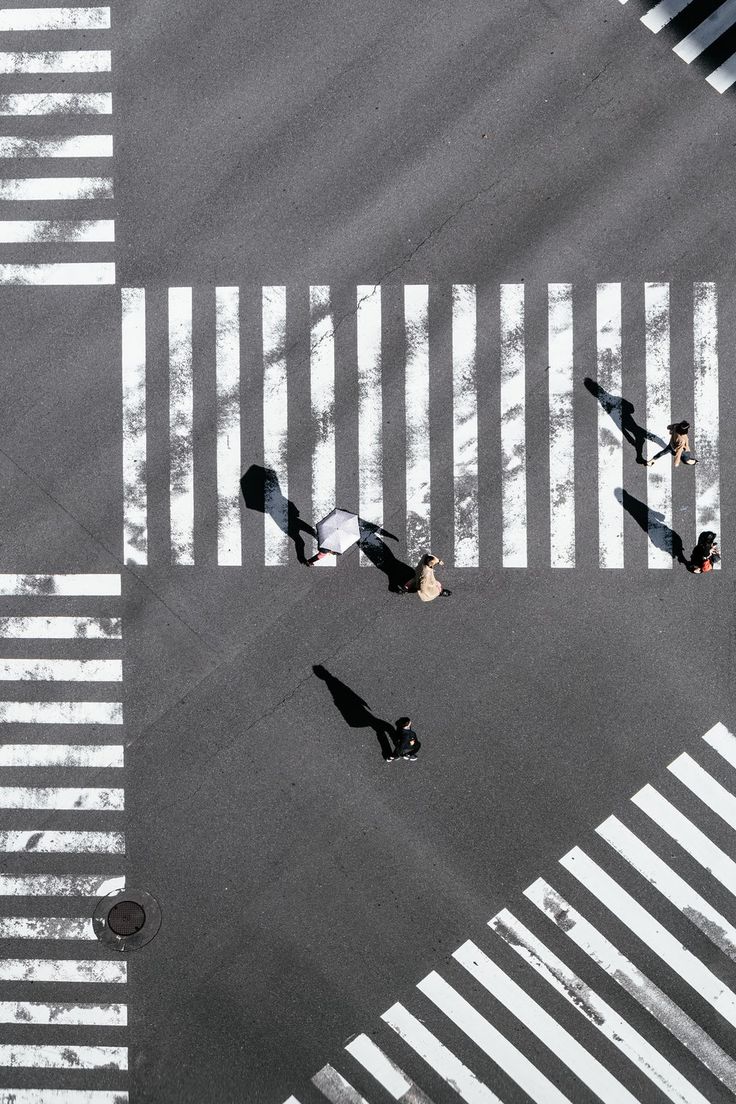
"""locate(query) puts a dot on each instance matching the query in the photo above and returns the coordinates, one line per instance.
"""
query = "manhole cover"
(126, 918)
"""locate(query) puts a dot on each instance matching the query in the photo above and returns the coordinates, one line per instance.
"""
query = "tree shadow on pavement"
(622, 415)
(262, 491)
(354, 710)
(652, 523)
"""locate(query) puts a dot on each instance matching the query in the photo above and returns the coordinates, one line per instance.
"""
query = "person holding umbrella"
(336, 533)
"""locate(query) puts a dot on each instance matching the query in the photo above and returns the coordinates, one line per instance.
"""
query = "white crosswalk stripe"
(53, 973)
(498, 1023)
(310, 407)
(706, 33)
(32, 251)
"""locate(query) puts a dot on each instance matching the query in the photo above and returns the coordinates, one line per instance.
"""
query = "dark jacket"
(407, 742)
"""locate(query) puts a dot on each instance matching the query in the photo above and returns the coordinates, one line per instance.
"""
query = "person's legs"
(318, 556)
(662, 452)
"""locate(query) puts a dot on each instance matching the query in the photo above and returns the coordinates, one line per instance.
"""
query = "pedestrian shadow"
(621, 412)
(262, 491)
(378, 552)
(355, 712)
(652, 523)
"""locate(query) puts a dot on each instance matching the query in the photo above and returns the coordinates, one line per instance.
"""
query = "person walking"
(407, 742)
(705, 553)
(424, 583)
(320, 554)
(678, 445)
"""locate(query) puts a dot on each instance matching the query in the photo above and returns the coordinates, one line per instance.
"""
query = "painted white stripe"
(64, 1057)
(705, 409)
(610, 437)
(386, 1072)
(704, 786)
(55, 61)
(370, 407)
(633, 981)
(322, 381)
(38, 842)
(661, 14)
(63, 1015)
(181, 425)
(61, 670)
(57, 103)
(677, 891)
(513, 426)
(62, 755)
(465, 424)
(40, 231)
(491, 1042)
(46, 927)
(64, 885)
(596, 1011)
(227, 367)
(97, 971)
(60, 628)
(291, 1100)
(55, 19)
(334, 1086)
(49, 586)
(442, 1061)
(64, 1096)
(724, 76)
(73, 273)
(70, 145)
(676, 956)
(416, 398)
(559, 1041)
(56, 187)
(722, 741)
(706, 33)
(61, 712)
(561, 427)
(135, 494)
(659, 477)
(275, 424)
(86, 799)
(690, 838)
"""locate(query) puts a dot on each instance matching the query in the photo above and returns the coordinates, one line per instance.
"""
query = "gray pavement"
(305, 884)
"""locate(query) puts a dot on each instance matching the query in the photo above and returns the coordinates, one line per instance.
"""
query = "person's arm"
(679, 444)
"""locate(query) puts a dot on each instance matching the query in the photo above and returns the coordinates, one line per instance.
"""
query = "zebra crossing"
(237, 346)
(62, 1004)
(603, 937)
(703, 31)
(56, 107)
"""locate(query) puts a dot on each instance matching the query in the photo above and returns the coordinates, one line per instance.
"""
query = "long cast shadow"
(653, 525)
(262, 491)
(355, 711)
(622, 415)
(378, 552)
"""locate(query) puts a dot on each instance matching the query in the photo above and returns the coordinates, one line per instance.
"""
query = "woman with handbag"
(705, 553)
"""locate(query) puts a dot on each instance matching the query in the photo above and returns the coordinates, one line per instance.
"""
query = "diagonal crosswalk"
(232, 399)
(55, 110)
(624, 962)
(62, 994)
(709, 35)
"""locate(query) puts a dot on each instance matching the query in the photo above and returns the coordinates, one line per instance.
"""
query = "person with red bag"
(705, 553)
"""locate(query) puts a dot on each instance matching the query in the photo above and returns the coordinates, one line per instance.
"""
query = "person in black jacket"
(407, 741)
(705, 552)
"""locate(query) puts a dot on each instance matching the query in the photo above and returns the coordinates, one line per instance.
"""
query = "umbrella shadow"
(355, 711)
(378, 552)
(652, 522)
(262, 491)
(622, 415)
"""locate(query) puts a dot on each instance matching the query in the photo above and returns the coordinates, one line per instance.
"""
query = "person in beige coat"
(678, 445)
(424, 583)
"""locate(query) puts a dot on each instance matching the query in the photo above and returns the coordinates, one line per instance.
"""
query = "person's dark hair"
(707, 538)
(427, 558)
(403, 722)
(683, 426)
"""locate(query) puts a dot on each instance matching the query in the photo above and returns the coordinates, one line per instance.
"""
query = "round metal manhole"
(126, 918)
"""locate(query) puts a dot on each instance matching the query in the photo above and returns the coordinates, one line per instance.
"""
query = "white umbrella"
(338, 531)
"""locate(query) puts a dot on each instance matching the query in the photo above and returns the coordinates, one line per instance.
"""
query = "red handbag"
(707, 566)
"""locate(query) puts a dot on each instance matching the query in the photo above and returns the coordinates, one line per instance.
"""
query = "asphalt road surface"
(307, 885)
